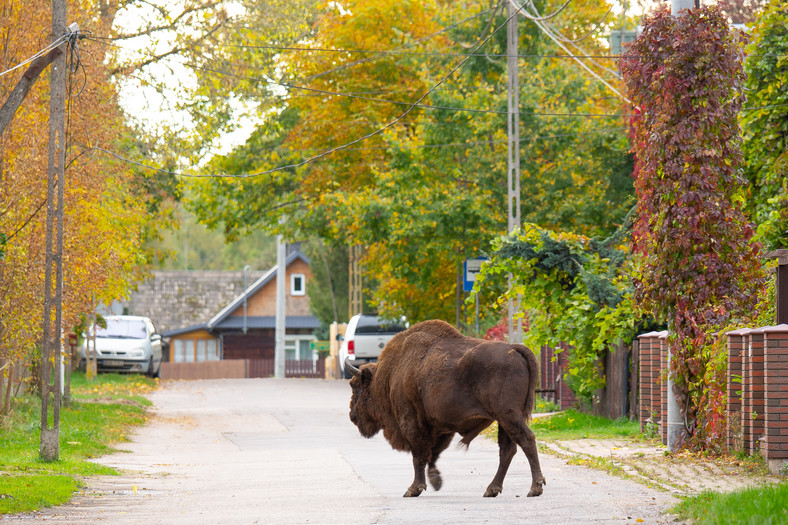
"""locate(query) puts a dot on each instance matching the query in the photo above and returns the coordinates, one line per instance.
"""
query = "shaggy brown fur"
(432, 382)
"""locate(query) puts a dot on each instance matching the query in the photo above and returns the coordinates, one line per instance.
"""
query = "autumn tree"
(105, 212)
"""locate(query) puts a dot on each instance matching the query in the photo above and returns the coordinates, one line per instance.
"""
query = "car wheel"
(158, 371)
(149, 373)
(346, 374)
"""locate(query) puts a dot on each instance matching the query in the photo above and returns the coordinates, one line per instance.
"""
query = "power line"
(39, 54)
(365, 148)
(383, 100)
(345, 51)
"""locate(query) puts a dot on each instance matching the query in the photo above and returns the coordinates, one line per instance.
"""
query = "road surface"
(284, 451)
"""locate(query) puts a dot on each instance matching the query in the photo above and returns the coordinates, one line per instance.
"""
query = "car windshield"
(376, 325)
(123, 329)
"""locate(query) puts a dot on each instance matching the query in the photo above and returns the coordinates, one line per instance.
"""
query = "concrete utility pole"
(53, 292)
(281, 283)
(675, 419)
(513, 161)
(676, 6)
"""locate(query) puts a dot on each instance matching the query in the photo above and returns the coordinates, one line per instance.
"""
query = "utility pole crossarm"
(22, 87)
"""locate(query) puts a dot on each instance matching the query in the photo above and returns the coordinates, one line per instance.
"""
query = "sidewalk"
(681, 474)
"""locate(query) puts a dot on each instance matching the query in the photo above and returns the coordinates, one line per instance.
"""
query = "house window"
(297, 284)
(191, 350)
(298, 348)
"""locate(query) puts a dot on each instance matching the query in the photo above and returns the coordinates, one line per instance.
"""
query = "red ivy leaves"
(685, 75)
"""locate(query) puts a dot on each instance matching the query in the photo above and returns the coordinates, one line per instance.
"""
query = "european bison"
(432, 382)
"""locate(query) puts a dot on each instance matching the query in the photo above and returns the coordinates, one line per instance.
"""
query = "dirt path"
(284, 451)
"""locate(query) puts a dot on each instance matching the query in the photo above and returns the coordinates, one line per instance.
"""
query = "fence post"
(737, 344)
(775, 351)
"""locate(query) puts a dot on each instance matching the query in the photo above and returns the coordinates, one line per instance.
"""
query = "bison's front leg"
(419, 484)
(506, 451)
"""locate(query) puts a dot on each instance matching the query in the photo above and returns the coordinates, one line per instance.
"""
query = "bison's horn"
(352, 369)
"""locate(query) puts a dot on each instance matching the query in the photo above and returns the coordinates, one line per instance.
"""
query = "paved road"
(283, 451)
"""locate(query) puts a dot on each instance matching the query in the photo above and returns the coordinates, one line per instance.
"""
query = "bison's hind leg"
(522, 435)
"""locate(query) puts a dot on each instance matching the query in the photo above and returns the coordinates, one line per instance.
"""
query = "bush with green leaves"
(575, 292)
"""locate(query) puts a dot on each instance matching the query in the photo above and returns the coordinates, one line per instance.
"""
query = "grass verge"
(572, 424)
(101, 414)
(764, 505)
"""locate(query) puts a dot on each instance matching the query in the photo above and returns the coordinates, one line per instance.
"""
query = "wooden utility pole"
(513, 160)
(356, 302)
(53, 291)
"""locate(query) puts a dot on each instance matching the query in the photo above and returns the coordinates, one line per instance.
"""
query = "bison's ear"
(366, 375)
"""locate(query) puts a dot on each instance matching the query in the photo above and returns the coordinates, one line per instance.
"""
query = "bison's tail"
(533, 379)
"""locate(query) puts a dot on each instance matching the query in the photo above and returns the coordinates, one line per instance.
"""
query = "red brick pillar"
(754, 391)
(737, 345)
(662, 374)
(775, 444)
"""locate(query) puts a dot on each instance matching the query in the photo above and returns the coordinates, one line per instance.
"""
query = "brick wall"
(775, 444)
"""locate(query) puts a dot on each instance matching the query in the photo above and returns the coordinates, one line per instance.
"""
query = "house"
(245, 327)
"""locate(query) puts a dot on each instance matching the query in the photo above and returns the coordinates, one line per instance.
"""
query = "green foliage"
(762, 505)
(101, 413)
(328, 287)
(193, 246)
(575, 292)
(700, 270)
(765, 144)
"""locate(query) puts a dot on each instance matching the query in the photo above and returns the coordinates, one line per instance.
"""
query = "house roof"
(221, 319)
(186, 330)
(268, 321)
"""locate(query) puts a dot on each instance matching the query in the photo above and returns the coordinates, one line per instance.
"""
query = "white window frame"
(293, 290)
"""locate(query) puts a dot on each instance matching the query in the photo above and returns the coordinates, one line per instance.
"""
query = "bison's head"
(363, 408)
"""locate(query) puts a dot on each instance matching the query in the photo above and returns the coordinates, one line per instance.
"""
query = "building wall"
(263, 303)
(193, 347)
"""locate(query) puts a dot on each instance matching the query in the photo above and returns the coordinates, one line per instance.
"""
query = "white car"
(128, 344)
(365, 337)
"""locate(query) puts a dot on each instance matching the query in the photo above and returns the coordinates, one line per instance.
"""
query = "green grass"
(759, 505)
(101, 414)
(572, 424)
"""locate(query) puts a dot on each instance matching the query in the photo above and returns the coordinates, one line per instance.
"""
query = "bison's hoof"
(435, 478)
(536, 488)
(413, 492)
(492, 491)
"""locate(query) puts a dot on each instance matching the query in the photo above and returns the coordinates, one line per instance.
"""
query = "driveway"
(284, 451)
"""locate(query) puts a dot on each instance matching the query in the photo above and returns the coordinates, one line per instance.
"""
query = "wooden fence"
(242, 368)
(613, 401)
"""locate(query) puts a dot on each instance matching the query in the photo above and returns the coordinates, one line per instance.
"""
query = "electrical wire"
(394, 102)
(39, 54)
(364, 148)
(323, 92)
(435, 53)
(560, 44)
